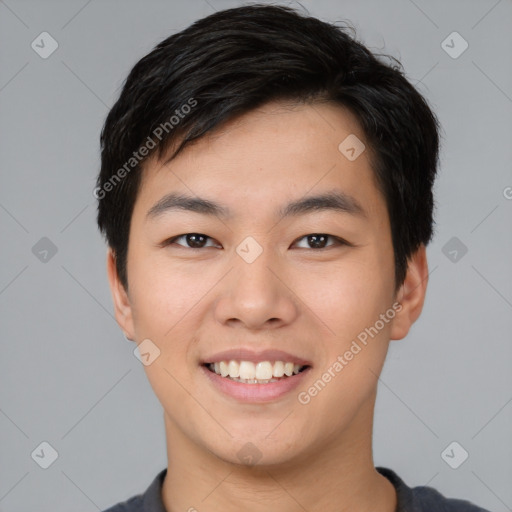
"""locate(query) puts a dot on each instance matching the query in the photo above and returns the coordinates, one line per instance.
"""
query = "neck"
(336, 475)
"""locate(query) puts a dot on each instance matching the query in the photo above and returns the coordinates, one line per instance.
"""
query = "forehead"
(269, 156)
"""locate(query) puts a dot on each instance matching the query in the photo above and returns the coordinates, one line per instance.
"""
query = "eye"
(198, 241)
(318, 240)
(194, 240)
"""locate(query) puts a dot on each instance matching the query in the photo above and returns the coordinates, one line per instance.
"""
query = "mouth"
(249, 372)
(255, 382)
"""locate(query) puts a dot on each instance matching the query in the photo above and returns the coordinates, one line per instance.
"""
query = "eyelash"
(339, 241)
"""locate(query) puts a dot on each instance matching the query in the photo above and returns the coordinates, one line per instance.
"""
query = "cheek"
(162, 295)
(350, 368)
(347, 297)
(166, 308)
(349, 303)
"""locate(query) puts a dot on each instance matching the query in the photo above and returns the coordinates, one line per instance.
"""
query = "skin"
(304, 300)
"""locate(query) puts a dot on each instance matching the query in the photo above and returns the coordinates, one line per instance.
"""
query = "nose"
(256, 296)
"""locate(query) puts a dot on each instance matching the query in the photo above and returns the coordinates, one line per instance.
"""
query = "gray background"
(68, 376)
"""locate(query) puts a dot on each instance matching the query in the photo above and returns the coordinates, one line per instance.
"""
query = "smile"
(255, 382)
(262, 372)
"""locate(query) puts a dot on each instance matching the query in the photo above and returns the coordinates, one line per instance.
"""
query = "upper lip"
(242, 354)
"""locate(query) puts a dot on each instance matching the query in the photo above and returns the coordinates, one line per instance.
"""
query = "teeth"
(233, 369)
(288, 369)
(261, 373)
(264, 370)
(278, 369)
(247, 370)
(224, 371)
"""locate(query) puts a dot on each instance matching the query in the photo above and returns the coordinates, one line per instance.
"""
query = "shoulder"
(148, 501)
(429, 499)
(134, 504)
(425, 499)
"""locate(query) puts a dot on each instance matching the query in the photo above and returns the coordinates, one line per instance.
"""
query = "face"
(249, 279)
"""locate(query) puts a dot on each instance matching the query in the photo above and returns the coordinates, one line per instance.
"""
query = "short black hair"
(235, 60)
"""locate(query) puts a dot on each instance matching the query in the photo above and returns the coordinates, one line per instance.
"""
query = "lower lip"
(255, 392)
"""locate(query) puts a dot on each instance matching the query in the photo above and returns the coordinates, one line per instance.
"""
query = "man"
(266, 195)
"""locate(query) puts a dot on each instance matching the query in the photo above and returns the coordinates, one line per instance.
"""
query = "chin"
(257, 450)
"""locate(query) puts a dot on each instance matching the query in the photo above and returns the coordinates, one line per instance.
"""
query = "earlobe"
(122, 305)
(411, 294)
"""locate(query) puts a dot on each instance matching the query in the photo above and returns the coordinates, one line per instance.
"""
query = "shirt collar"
(152, 498)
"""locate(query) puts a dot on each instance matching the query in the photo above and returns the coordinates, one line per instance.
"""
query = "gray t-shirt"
(417, 499)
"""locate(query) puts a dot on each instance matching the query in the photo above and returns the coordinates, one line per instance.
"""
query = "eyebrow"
(333, 200)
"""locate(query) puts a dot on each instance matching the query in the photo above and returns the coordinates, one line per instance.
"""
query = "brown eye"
(319, 240)
(192, 240)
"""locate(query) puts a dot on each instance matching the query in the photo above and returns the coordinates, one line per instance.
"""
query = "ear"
(122, 306)
(411, 294)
